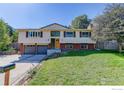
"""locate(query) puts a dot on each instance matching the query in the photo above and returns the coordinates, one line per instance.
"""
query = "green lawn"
(82, 68)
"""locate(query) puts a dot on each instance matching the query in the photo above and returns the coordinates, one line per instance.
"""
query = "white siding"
(46, 39)
(32, 40)
(76, 39)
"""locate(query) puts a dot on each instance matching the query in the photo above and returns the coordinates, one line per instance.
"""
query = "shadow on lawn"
(89, 52)
(82, 53)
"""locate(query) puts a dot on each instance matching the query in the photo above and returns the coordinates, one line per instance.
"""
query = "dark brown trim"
(64, 33)
(26, 34)
(74, 34)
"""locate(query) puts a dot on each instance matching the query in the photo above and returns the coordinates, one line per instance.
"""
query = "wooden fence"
(110, 45)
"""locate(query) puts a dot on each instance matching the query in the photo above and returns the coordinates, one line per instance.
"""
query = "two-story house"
(54, 36)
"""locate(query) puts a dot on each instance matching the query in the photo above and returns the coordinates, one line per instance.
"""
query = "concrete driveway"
(24, 63)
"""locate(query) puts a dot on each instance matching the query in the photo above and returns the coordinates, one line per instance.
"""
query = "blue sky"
(38, 15)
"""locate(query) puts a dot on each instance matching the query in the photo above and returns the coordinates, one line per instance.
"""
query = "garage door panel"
(42, 49)
(29, 49)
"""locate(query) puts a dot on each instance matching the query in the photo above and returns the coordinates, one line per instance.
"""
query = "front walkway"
(24, 63)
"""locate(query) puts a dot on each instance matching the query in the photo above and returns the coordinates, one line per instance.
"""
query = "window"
(33, 34)
(39, 34)
(55, 33)
(29, 34)
(26, 34)
(84, 46)
(69, 46)
(69, 34)
(85, 34)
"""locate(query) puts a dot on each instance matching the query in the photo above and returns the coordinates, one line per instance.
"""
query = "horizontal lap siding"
(30, 49)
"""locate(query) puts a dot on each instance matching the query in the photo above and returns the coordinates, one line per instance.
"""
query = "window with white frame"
(69, 34)
(85, 34)
(69, 46)
(34, 34)
(84, 46)
(55, 33)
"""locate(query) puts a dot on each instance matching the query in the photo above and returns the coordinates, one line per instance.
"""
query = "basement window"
(69, 46)
(84, 46)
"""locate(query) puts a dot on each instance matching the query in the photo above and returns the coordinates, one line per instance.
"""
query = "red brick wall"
(91, 46)
(77, 46)
(49, 46)
(21, 48)
(62, 46)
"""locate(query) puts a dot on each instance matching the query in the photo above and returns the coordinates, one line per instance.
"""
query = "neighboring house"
(54, 36)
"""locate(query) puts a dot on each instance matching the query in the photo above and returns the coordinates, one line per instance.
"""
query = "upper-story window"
(69, 34)
(85, 34)
(34, 34)
(55, 33)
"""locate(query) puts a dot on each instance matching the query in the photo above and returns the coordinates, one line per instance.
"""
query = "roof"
(27, 29)
(54, 24)
(53, 28)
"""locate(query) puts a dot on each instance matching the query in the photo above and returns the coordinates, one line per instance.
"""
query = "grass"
(82, 68)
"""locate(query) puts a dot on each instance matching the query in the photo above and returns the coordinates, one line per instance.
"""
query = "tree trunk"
(120, 47)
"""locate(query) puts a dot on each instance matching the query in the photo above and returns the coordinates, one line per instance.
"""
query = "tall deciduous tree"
(80, 22)
(111, 22)
(11, 30)
(14, 36)
(4, 36)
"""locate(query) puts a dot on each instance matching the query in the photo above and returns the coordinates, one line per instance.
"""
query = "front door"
(57, 43)
(52, 43)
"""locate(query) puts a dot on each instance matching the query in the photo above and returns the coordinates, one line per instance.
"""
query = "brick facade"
(78, 46)
(91, 46)
(21, 48)
(49, 45)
